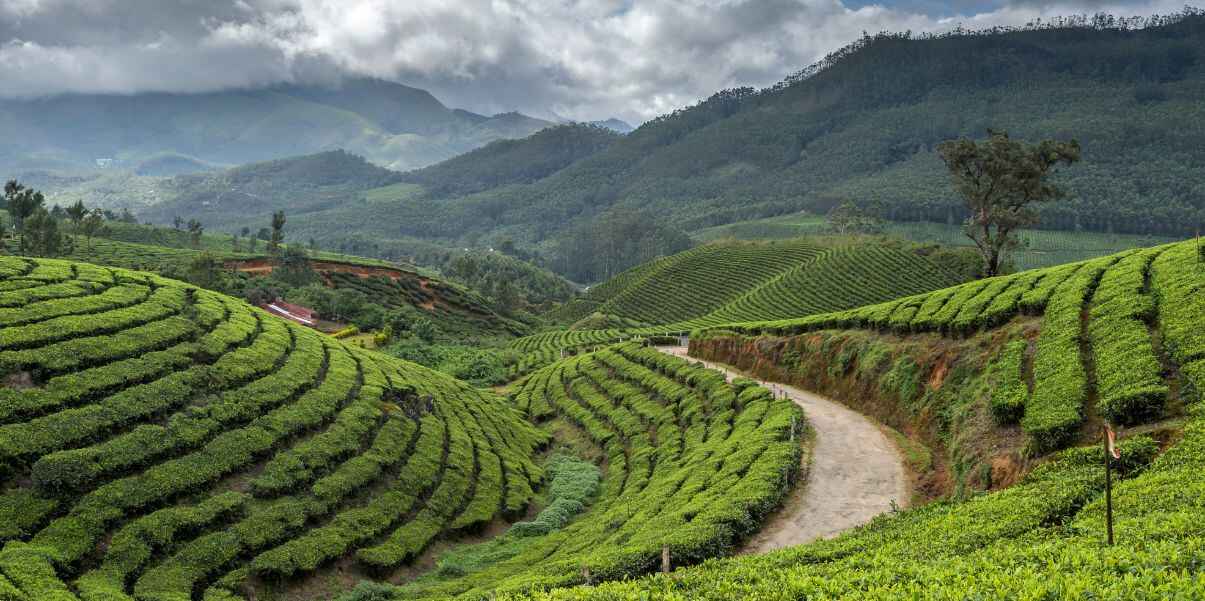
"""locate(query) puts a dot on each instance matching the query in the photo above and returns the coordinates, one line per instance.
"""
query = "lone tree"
(999, 178)
(76, 213)
(848, 218)
(195, 231)
(92, 225)
(278, 226)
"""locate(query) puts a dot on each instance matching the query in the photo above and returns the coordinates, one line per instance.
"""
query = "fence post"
(665, 559)
(586, 576)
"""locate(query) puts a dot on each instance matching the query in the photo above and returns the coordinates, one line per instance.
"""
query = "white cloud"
(581, 59)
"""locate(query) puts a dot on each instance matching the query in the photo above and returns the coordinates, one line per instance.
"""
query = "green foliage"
(478, 366)
(512, 283)
(613, 242)
(1008, 389)
(572, 484)
(1060, 383)
(998, 180)
(734, 282)
(1129, 375)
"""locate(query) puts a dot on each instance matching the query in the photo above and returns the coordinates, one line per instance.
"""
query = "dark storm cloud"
(582, 59)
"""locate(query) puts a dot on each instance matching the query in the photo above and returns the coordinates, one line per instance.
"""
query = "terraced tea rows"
(163, 442)
(698, 281)
(1040, 539)
(814, 280)
(840, 278)
(1098, 317)
(694, 464)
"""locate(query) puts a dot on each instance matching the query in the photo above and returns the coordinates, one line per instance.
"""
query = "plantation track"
(855, 472)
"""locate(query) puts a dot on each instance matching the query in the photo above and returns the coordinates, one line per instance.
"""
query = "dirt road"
(855, 473)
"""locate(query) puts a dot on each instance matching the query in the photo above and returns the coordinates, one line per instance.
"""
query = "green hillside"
(862, 125)
(166, 439)
(1126, 321)
(839, 277)
(742, 281)
(728, 282)
(513, 161)
(693, 462)
(695, 282)
(228, 200)
(458, 312)
(1118, 338)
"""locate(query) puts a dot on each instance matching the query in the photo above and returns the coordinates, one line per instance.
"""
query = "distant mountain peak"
(615, 125)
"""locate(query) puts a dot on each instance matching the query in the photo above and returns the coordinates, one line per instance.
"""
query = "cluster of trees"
(613, 242)
(512, 283)
(37, 228)
(849, 218)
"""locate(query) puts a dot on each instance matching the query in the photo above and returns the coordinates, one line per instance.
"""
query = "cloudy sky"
(581, 59)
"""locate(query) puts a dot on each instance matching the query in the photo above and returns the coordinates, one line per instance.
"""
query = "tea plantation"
(1120, 339)
(160, 441)
(164, 442)
(738, 282)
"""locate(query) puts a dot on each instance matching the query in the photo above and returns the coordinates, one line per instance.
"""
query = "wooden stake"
(665, 559)
(1108, 492)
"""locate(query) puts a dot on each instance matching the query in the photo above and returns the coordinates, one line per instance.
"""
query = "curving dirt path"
(855, 472)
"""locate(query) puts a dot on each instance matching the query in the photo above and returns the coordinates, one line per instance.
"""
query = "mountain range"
(390, 124)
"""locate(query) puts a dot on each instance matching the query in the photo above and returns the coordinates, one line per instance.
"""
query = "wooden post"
(1108, 491)
(586, 575)
(665, 559)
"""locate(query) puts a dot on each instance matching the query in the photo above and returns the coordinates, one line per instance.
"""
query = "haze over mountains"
(388, 123)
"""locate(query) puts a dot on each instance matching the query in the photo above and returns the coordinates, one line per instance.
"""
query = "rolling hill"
(392, 124)
(205, 441)
(863, 125)
(457, 310)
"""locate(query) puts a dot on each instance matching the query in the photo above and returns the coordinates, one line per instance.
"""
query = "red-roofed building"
(302, 315)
